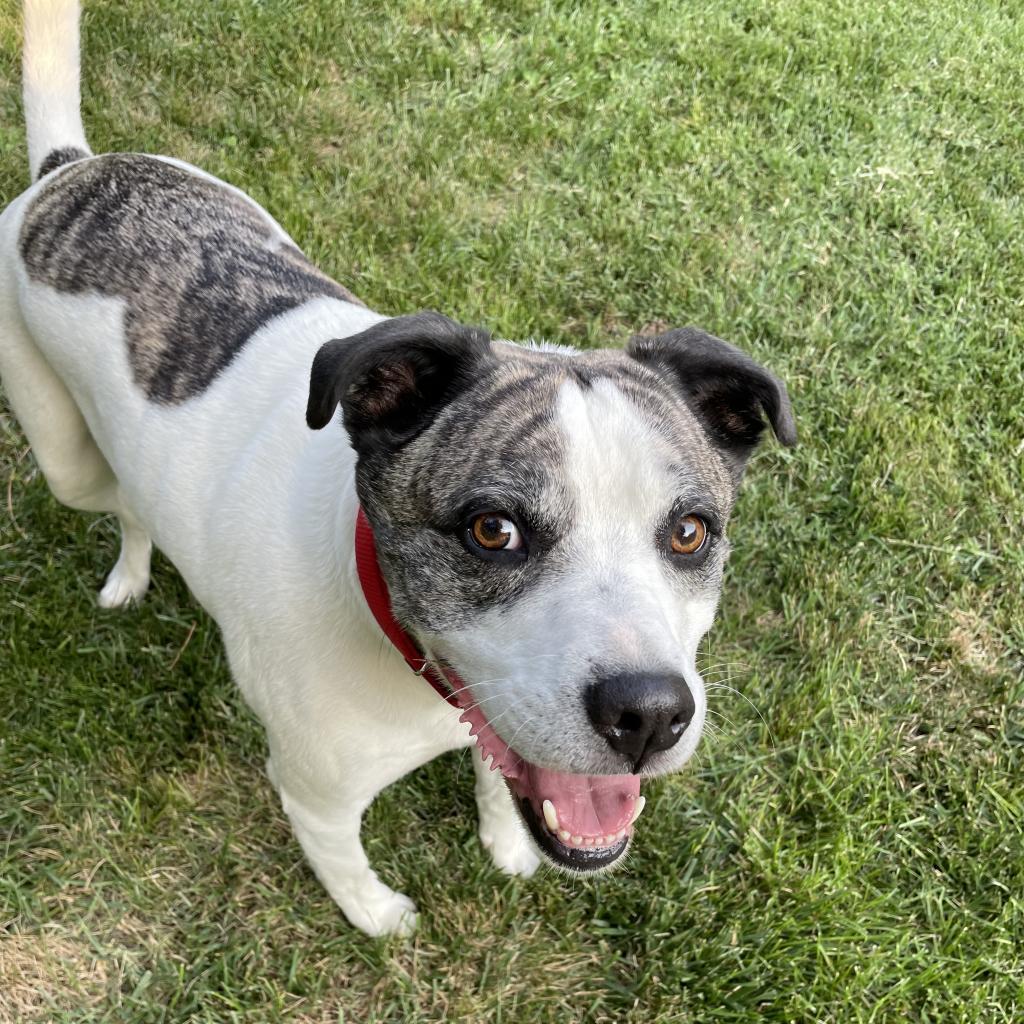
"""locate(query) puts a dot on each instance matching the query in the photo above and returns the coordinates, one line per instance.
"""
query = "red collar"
(375, 590)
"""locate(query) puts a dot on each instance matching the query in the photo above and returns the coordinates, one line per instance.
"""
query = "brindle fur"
(59, 157)
(198, 267)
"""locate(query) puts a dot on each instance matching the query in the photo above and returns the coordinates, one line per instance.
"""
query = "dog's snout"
(640, 713)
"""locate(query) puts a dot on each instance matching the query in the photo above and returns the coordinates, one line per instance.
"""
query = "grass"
(835, 186)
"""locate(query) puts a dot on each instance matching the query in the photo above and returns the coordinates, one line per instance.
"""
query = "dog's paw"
(509, 847)
(378, 910)
(122, 589)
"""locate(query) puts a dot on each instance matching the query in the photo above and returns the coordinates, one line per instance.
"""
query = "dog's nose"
(640, 714)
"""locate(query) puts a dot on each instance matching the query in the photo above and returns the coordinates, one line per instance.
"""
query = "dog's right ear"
(392, 379)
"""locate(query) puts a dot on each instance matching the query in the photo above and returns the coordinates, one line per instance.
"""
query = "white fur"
(51, 79)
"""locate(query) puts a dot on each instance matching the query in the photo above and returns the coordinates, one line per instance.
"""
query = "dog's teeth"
(550, 815)
(563, 835)
(609, 840)
(621, 834)
(577, 840)
(641, 802)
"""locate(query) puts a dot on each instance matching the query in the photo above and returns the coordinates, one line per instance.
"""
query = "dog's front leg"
(501, 831)
(328, 831)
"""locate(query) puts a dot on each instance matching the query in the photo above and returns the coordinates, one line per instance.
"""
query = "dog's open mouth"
(582, 822)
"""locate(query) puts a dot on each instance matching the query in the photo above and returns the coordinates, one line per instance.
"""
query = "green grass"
(834, 185)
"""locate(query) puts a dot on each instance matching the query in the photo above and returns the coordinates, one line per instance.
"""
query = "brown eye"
(689, 535)
(494, 532)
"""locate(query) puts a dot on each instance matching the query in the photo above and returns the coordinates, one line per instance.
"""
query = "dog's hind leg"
(64, 450)
(129, 579)
(501, 831)
(77, 472)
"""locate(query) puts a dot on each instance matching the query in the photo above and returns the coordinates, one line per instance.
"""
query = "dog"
(414, 537)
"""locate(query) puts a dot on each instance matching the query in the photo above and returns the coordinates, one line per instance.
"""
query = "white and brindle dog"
(550, 524)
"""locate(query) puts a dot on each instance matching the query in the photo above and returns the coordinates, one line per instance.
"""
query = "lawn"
(834, 185)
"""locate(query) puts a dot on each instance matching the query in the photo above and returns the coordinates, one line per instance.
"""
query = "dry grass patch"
(54, 970)
(975, 644)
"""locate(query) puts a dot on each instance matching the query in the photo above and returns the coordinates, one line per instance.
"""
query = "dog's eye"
(494, 532)
(689, 535)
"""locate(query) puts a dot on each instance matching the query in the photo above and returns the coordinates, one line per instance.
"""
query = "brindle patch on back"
(199, 267)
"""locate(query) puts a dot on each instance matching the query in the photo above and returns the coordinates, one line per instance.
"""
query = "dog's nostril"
(629, 722)
(639, 714)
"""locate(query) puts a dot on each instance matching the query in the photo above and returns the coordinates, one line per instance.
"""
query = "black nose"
(640, 714)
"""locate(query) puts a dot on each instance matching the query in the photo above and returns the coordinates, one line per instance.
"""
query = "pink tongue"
(587, 805)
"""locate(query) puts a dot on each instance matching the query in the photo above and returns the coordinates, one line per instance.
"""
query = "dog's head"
(551, 525)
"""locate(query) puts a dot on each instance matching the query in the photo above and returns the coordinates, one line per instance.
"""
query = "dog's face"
(551, 526)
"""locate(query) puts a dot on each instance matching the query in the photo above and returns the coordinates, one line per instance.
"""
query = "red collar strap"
(375, 590)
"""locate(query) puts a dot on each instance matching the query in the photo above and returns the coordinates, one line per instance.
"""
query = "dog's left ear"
(392, 379)
(727, 391)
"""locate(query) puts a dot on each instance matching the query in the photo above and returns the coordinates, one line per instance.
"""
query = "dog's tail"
(51, 85)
